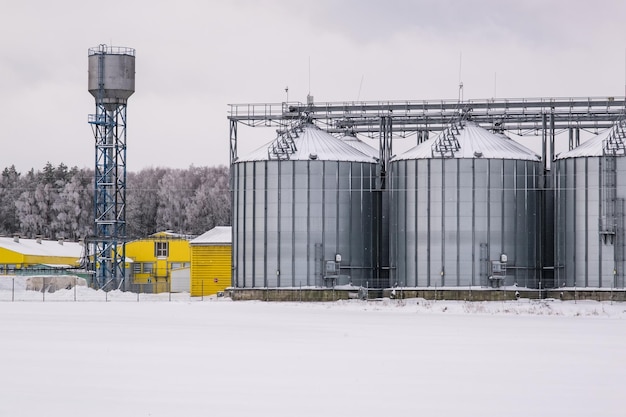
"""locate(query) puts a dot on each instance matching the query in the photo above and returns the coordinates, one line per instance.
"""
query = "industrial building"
(211, 262)
(154, 260)
(19, 255)
(466, 207)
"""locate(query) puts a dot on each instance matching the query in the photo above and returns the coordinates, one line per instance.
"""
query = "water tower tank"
(111, 76)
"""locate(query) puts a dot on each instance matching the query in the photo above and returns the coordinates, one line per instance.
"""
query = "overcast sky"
(193, 57)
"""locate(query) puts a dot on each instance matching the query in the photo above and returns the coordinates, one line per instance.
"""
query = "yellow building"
(211, 261)
(155, 257)
(18, 254)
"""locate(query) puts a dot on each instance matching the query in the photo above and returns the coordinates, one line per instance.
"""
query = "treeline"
(57, 202)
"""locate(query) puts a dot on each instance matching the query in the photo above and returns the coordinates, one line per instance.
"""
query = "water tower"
(111, 80)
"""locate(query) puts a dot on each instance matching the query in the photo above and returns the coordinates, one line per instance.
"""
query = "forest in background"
(57, 202)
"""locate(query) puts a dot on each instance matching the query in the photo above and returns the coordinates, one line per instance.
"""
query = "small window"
(137, 267)
(147, 267)
(161, 249)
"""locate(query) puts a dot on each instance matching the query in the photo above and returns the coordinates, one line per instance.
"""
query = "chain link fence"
(73, 288)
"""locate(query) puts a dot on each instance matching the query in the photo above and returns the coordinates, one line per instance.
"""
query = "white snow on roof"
(216, 236)
(314, 141)
(475, 142)
(45, 248)
(591, 147)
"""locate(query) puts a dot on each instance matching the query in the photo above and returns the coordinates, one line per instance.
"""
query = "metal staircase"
(284, 145)
(447, 144)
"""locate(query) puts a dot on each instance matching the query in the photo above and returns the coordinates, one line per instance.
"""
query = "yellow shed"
(211, 261)
(155, 257)
(17, 253)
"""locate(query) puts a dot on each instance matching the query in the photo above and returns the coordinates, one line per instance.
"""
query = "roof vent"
(38, 239)
(313, 156)
(16, 238)
(61, 241)
(478, 154)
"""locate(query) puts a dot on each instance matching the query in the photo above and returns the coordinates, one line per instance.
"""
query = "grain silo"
(303, 212)
(590, 189)
(465, 211)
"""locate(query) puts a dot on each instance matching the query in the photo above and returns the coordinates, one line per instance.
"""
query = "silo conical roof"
(475, 142)
(313, 143)
(592, 147)
(352, 140)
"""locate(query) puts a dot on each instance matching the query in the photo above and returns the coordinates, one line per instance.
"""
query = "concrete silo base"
(461, 294)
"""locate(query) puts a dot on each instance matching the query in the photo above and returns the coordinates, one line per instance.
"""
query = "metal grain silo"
(465, 211)
(303, 212)
(590, 189)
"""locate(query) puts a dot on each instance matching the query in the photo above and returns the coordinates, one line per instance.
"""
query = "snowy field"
(216, 357)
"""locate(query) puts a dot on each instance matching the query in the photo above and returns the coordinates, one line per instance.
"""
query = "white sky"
(371, 359)
(196, 56)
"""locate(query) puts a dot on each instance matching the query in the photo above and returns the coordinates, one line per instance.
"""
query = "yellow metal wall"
(210, 269)
(143, 251)
(9, 257)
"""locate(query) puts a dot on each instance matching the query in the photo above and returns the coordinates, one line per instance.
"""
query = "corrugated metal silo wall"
(583, 257)
(290, 217)
(452, 217)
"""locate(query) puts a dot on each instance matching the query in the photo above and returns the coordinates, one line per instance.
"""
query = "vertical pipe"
(265, 231)
(474, 222)
(254, 225)
(308, 225)
(293, 224)
(586, 217)
(442, 270)
(552, 134)
(279, 216)
(458, 222)
(243, 205)
(429, 205)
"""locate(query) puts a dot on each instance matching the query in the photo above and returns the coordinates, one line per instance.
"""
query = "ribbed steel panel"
(452, 216)
(116, 72)
(210, 269)
(475, 142)
(312, 141)
(361, 146)
(290, 216)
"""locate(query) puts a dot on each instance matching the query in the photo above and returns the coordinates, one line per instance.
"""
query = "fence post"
(13, 290)
(74, 288)
(43, 289)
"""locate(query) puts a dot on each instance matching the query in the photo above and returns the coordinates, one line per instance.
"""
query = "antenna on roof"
(360, 86)
(309, 97)
(460, 82)
(495, 84)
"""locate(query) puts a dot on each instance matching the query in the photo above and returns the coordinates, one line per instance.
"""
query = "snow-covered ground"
(193, 357)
